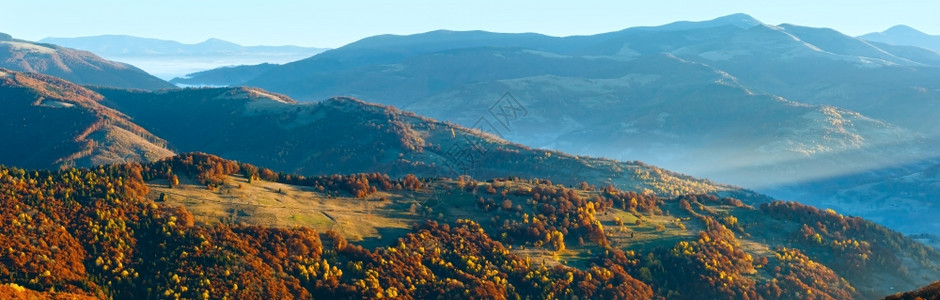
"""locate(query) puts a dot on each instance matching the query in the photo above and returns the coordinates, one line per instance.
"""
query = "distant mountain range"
(81, 67)
(904, 36)
(123, 45)
(170, 59)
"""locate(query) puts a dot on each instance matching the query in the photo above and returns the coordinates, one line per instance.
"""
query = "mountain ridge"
(153, 54)
(74, 65)
(105, 44)
(904, 35)
(406, 143)
(59, 124)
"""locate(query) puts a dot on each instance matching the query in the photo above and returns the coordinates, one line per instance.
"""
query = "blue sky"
(335, 23)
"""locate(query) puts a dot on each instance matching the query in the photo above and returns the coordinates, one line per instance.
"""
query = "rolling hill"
(56, 124)
(196, 225)
(73, 65)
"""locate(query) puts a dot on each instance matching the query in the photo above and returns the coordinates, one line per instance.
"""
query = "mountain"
(740, 20)
(74, 65)
(684, 115)
(449, 84)
(904, 36)
(224, 76)
(345, 135)
(809, 65)
(733, 99)
(821, 66)
(171, 59)
(56, 124)
(196, 225)
(272, 130)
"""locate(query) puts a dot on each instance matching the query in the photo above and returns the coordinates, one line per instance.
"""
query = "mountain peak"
(218, 42)
(49, 86)
(904, 30)
(5, 37)
(904, 35)
(741, 20)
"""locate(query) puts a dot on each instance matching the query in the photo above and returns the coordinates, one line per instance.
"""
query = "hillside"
(470, 239)
(824, 67)
(687, 116)
(345, 135)
(55, 124)
(77, 66)
(224, 76)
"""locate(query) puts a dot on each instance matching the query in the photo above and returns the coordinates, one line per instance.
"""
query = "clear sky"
(335, 23)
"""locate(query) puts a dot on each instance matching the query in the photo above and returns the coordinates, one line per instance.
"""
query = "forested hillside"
(101, 232)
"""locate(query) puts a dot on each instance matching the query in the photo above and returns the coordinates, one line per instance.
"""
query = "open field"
(282, 205)
(380, 218)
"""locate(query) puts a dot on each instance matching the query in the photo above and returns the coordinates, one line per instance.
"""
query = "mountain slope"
(840, 71)
(224, 76)
(682, 115)
(52, 123)
(77, 66)
(344, 135)
(904, 36)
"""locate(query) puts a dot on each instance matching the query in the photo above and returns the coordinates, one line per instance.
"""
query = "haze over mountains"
(170, 59)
